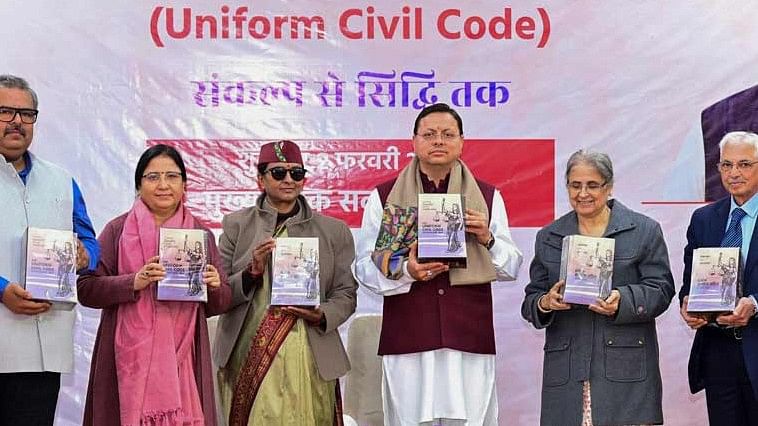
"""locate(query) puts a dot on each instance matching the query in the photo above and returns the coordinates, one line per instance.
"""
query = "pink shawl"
(154, 340)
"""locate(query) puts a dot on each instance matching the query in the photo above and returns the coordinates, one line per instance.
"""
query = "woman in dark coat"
(600, 360)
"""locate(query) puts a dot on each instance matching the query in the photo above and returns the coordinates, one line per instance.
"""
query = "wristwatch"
(490, 242)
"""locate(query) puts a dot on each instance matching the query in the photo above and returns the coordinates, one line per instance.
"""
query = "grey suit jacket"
(618, 355)
(243, 231)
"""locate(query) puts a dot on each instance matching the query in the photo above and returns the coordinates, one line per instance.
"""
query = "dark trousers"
(28, 399)
(728, 392)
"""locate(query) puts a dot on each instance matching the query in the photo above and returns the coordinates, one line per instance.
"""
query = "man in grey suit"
(279, 365)
(37, 342)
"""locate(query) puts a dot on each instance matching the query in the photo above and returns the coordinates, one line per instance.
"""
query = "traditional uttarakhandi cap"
(280, 152)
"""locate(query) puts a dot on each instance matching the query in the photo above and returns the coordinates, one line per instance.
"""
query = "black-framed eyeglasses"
(28, 115)
(743, 166)
(279, 173)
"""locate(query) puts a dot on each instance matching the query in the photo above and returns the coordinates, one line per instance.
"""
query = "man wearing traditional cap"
(279, 365)
(437, 340)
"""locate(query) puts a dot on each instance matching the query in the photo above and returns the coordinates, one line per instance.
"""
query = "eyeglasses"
(590, 187)
(432, 136)
(279, 173)
(28, 116)
(155, 177)
(743, 166)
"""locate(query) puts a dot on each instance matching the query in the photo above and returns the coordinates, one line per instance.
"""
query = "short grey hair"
(739, 137)
(598, 160)
(8, 81)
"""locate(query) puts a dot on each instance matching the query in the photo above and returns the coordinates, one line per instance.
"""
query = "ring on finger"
(428, 273)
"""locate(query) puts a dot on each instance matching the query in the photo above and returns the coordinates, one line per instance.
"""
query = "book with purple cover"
(184, 254)
(587, 268)
(51, 264)
(715, 284)
(441, 229)
(295, 273)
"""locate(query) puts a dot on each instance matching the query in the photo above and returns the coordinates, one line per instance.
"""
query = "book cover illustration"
(295, 272)
(587, 268)
(715, 284)
(441, 230)
(51, 264)
(184, 254)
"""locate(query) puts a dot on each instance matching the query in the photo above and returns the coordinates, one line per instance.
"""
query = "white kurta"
(442, 385)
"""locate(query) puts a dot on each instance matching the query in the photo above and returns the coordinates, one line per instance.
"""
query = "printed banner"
(533, 83)
(221, 174)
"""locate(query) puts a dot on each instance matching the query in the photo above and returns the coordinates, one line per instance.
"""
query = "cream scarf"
(399, 225)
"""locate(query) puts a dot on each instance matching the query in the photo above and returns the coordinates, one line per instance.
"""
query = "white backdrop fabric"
(626, 78)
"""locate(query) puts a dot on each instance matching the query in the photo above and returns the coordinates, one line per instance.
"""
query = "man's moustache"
(10, 128)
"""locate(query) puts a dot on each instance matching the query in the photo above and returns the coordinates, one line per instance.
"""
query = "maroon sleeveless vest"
(434, 314)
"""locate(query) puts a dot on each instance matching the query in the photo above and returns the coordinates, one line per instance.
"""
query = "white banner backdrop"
(626, 78)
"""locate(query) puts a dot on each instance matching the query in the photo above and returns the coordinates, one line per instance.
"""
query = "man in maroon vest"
(437, 341)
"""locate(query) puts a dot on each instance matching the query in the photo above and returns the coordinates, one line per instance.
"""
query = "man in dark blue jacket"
(724, 357)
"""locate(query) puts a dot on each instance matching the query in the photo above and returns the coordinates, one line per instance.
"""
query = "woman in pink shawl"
(151, 364)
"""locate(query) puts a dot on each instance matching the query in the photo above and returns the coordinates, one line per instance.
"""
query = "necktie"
(733, 235)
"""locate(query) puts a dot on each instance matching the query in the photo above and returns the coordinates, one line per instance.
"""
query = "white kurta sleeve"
(364, 269)
(506, 257)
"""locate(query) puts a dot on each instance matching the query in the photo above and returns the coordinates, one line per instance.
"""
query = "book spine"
(565, 248)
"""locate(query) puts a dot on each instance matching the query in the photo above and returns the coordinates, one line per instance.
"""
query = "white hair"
(739, 137)
(599, 160)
